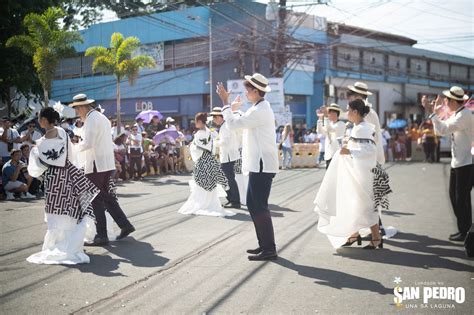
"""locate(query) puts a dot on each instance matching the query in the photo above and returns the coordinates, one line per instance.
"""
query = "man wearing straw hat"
(361, 91)
(99, 158)
(333, 129)
(229, 153)
(259, 157)
(461, 128)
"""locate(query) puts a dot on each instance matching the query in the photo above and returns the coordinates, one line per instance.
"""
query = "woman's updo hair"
(360, 107)
(202, 117)
(50, 114)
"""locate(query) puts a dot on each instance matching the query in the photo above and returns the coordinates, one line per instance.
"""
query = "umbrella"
(169, 134)
(397, 123)
(147, 115)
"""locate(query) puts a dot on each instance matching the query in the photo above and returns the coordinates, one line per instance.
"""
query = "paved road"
(188, 264)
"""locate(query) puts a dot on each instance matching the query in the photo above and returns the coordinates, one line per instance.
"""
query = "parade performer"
(259, 157)
(353, 189)
(332, 128)
(227, 143)
(460, 127)
(209, 181)
(99, 167)
(68, 195)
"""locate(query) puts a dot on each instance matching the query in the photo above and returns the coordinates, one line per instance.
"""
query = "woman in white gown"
(68, 195)
(345, 201)
(209, 180)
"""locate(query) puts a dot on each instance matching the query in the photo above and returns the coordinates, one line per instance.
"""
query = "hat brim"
(266, 89)
(82, 103)
(334, 108)
(355, 89)
(216, 114)
(448, 94)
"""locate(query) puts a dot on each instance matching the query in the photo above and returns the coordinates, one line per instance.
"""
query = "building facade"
(320, 59)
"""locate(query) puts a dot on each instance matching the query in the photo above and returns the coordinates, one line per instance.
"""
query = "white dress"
(202, 201)
(345, 201)
(68, 198)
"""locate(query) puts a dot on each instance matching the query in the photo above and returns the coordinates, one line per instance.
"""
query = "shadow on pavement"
(278, 208)
(334, 279)
(131, 251)
(396, 213)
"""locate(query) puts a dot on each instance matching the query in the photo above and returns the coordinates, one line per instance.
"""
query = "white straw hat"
(259, 82)
(360, 88)
(455, 93)
(80, 100)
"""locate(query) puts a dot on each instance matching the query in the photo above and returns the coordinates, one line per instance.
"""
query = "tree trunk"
(46, 97)
(119, 120)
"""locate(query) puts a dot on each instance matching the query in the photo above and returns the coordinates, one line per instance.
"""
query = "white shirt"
(11, 135)
(35, 137)
(258, 124)
(228, 144)
(373, 118)
(96, 143)
(133, 139)
(332, 131)
(461, 127)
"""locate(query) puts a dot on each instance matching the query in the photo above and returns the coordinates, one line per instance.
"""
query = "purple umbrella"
(147, 115)
(165, 134)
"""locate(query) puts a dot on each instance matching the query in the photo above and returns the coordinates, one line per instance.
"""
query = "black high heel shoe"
(357, 239)
(372, 246)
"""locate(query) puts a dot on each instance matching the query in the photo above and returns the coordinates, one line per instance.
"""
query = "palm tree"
(118, 60)
(47, 42)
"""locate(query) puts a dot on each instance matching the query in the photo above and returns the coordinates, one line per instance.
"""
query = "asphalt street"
(176, 264)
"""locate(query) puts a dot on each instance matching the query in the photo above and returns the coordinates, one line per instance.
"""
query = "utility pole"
(210, 66)
(279, 47)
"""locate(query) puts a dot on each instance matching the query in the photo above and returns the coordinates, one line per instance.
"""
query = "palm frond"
(115, 41)
(126, 48)
(23, 42)
(97, 51)
(104, 63)
(144, 61)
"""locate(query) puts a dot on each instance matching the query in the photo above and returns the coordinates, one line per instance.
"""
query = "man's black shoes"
(264, 256)
(98, 241)
(232, 205)
(125, 232)
(255, 251)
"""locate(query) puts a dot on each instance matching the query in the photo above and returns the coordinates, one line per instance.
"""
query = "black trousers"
(233, 195)
(327, 163)
(106, 201)
(258, 193)
(136, 166)
(460, 184)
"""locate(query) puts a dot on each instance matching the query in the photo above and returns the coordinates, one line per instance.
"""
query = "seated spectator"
(25, 153)
(147, 149)
(120, 153)
(15, 177)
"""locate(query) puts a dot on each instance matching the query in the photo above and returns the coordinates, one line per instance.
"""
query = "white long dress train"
(345, 201)
(202, 201)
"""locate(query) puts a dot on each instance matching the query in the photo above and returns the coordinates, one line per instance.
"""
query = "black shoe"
(98, 241)
(125, 232)
(352, 240)
(264, 256)
(373, 246)
(454, 234)
(458, 238)
(232, 205)
(255, 251)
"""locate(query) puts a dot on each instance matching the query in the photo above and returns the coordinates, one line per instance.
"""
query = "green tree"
(118, 60)
(47, 42)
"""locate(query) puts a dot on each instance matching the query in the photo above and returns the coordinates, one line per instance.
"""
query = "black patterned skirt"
(69, 192)
(208, 172)
(381, 188)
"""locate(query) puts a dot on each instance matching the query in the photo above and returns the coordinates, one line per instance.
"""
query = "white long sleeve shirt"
(332, 131)
(258, 143)
(228, 144)
(97, 143)
(461, 128)
(373, 118)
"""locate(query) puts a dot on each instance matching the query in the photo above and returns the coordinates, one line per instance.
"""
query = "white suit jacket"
(332, 131)
(258, 142)
(228, 144)
(97, 144)
(373, 118)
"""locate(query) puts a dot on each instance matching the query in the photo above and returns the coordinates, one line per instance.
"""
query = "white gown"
(201, 201)
(344, 201)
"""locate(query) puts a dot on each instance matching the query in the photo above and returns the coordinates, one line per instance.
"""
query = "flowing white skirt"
(63, 242)
(203, 202)
(242, 183)
(345, 199)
